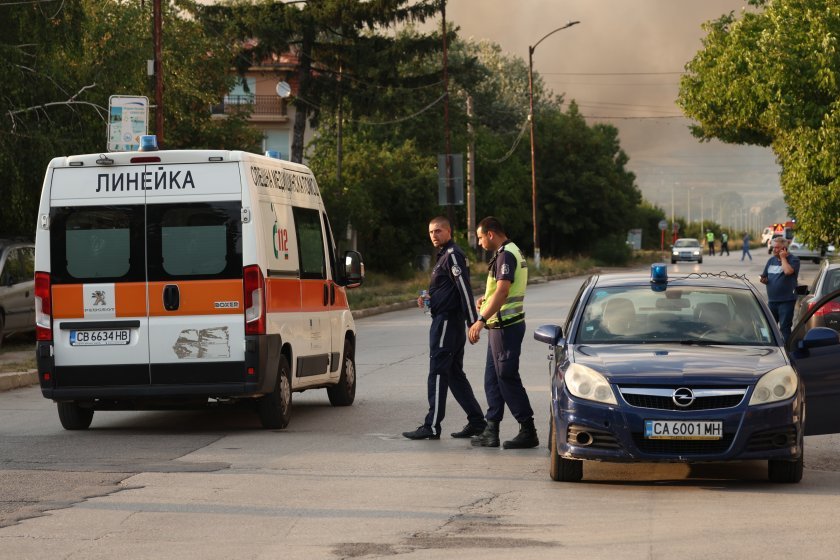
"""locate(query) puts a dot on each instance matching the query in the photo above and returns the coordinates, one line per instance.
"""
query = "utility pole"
(470, 175)
(450, 191)
(158, 72)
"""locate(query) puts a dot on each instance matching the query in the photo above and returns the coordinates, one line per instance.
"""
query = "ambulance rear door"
(194, 232)
(98, 274)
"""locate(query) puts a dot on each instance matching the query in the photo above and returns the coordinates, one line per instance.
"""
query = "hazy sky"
(622, 65)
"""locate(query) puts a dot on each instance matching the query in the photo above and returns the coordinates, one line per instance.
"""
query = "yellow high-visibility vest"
(513, 310)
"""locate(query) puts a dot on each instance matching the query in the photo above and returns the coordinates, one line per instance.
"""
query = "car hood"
(669, 363)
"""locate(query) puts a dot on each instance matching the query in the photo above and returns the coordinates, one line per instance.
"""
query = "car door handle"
(332, 293)
(326, 295)
(171, 297)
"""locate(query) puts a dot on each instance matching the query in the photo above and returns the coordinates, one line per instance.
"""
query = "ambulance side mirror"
(354, 270)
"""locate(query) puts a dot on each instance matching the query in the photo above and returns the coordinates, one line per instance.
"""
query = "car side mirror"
(354, 270)
(802, 290)
(819, 337)
(549, 334)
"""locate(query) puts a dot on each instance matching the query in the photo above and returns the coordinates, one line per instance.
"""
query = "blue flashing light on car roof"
(273, 154)
(148, 143)
(658, 273)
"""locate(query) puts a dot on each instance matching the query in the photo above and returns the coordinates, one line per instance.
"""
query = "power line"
(610, 73)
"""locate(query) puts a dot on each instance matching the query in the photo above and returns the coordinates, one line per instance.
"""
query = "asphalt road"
(342, 482)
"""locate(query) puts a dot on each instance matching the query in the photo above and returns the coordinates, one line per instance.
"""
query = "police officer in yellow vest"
(501, 310)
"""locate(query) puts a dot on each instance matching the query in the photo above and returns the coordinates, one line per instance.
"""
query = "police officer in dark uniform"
(452, 308)
(502, 311)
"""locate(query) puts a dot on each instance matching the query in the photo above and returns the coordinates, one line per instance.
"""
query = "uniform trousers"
(447, 337)
(502, 383)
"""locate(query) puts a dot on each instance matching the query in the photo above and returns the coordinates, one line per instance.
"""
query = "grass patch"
(379, 289)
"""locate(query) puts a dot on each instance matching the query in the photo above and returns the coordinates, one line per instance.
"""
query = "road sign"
(128, 118)
(663, 224)
(451, 189)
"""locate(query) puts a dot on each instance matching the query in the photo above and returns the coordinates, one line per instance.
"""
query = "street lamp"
(531, 121)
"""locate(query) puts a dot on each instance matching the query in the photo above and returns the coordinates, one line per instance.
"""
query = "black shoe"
(469, 430)
(526, 438)
(489, 437)
(422, 432)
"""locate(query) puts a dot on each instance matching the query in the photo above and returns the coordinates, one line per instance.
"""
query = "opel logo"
(683, 397)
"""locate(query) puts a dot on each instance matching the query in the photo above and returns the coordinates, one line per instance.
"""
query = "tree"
(345, 53)
(772, 78)
(62, 66)
(385, 195)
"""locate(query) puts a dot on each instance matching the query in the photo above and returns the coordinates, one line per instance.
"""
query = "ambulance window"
(195, 240)
(97, 244)
(310, 243)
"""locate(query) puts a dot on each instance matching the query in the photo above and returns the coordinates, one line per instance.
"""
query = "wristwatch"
(482, 319)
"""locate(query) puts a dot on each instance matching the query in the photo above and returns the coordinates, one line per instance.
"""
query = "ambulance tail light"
(43, 306)
(254, 285)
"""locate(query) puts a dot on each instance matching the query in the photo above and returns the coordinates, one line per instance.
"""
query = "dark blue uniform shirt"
(450, 291)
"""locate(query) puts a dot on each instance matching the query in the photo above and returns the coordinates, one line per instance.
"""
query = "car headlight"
(675, 252)
(696, 252)
(588, 384)
(776, 385)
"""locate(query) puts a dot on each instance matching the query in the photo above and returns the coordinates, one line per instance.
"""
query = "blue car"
(687, 369)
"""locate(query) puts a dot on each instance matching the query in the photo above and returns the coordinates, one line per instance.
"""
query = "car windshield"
(683, 315)
(687, 243)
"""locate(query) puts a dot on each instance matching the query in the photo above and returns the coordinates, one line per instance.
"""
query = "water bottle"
(427, 302)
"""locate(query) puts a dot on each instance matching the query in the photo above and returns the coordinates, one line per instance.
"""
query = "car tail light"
(254, 285)
(830, 307)
(43, 306)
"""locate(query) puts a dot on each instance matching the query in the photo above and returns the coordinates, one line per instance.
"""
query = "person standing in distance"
(501, 310)
(745, 248)
(710, 241)
(452, 309)
(781, 274)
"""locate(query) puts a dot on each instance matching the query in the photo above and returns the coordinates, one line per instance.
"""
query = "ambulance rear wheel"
(275, 409)
(73, 416)
(343, 393)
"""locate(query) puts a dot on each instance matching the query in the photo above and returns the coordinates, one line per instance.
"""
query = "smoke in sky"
(622, 65)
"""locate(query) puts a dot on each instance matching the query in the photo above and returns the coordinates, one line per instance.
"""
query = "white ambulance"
(177, 278)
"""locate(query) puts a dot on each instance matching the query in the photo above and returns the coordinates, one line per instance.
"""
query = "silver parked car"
(17, 287)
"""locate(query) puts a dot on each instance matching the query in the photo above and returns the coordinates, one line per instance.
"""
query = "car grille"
(662, 398)
(772, 439)
(682, 446)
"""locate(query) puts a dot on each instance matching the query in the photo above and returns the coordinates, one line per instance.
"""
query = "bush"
(612, 250)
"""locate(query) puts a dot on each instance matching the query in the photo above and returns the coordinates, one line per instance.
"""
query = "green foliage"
(62, 63)
(647, 218)
(612, 250)
(771, 78)
(387, 193)
(584, 191)
(345, 58)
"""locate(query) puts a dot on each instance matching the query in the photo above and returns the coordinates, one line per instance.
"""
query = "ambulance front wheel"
(343, 393)
(275, 408)
(73, 416)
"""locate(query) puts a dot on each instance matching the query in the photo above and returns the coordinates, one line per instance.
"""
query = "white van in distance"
(173, 278)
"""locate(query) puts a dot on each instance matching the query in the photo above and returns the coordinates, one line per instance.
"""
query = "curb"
(18, 379)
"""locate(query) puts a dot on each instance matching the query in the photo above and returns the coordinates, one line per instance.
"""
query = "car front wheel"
(785, 472)
(561, 469)
(343, 393)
